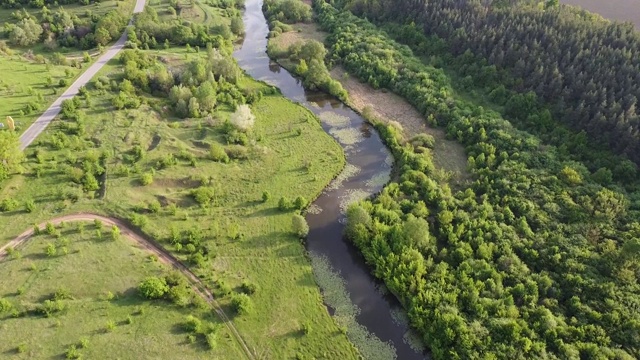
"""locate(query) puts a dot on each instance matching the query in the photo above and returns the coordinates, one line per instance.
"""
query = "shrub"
(5, 306)
(241, 304)
(192, 324)
(300, 226)
(237, 152)
(110, 326)
(8, 205)
(115, 232)
(72, 352)
(97, 224)
(217, 153)
(154, 206)
(203, 195)
(146, 179)
(30, 206)
(299, 203)
(63, 83)
(51, 250)
(266, 196)
(153, 288)
(284, 204)
(212, 340)
(22, 348)
(248, 287)
(243, 118)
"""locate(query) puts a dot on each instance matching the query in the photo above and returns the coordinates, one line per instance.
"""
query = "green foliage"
(217, 153)
(241, 304)
(287, 11)
(146, 179)
(10, 154)
(495, 284)
(299, 226)
(153, 288)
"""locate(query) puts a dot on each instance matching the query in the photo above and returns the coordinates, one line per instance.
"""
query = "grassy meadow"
(248, 239)
(95, 276)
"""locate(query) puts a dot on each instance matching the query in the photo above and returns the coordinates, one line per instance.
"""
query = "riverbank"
(449, 156)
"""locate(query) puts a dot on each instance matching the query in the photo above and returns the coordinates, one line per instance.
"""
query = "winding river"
(368, 169)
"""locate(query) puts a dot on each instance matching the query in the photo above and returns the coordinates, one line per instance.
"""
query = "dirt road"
(152, 247)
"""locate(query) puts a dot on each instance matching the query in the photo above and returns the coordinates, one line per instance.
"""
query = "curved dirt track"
(150, 246)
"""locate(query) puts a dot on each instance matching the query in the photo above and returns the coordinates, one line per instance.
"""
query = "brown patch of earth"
(301, 32)
(448, 155)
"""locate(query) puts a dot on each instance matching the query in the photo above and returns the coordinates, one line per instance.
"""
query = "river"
(368, 168)
(620, 10)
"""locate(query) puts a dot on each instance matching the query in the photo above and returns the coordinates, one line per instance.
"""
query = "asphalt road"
(43, 121)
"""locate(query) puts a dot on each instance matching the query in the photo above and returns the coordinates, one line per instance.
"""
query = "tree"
(243, 118)
(10, 154)
(241, 304)
(300, 226)
(237, 25)
(153, 288)
(26, 32)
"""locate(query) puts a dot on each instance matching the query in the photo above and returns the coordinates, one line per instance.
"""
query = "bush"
(299, 203)
(237, 152)
(300, 226)
(192, 324)
(217, 153)
(29, 206)
(146, 179)
(8, 205)
(243, 118)
(284, 204)
(241, 304)
(63, 83)
(266, 196)
(72, 352)
(212, 340)
(153, 288)
(248, 287)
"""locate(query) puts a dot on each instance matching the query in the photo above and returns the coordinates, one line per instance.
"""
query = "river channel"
(368, 168)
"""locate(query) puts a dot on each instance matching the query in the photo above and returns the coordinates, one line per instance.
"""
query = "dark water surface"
(369, 166)
(620, 10)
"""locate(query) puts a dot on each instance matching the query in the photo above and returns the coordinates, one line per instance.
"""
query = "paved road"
(149, 245)
(43, 121)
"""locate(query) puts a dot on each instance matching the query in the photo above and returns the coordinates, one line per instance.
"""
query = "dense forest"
(586, 68)
(59, 28)
(537, 258)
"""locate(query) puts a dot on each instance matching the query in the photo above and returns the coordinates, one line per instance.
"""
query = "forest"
(587, 70)
(537, 258)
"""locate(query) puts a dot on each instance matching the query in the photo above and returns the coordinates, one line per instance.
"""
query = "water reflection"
(367, 171)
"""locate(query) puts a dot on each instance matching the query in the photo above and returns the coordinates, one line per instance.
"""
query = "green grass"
(91, 270)
(292, 157)
(20, 83)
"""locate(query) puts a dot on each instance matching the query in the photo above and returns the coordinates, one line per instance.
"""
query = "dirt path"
(150, 246)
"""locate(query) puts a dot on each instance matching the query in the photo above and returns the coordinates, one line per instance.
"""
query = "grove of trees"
(536, 258)
(585, 69)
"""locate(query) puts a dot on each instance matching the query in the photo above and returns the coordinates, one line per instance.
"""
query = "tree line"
(537, 258)
(586, 69)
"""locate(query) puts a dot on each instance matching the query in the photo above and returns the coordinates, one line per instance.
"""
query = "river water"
(368, 168)
(620, 10)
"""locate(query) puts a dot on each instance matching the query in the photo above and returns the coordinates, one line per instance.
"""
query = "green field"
(96, 276)
(248, 240)
(26, 82)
